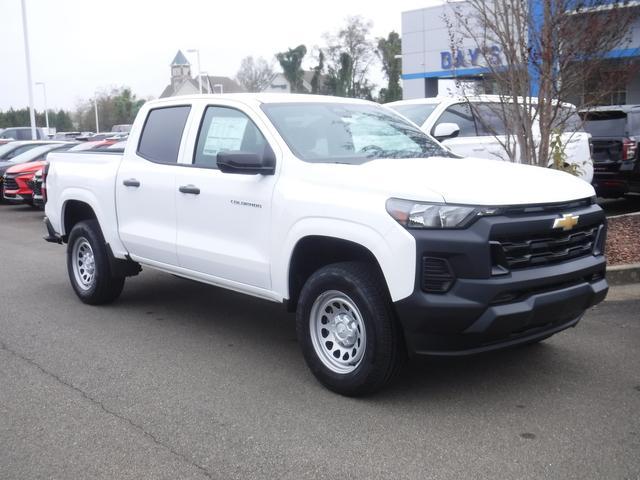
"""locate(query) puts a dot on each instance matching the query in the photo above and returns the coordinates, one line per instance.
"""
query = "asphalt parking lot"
(181, 380)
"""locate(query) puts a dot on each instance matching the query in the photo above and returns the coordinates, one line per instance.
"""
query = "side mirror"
(246, 163)
(442, 131)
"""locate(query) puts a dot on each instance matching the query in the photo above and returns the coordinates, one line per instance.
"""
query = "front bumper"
(485, 309)
(15, 197)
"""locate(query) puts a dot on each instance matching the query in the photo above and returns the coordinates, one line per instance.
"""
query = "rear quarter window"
(162, 134)
(611, 123)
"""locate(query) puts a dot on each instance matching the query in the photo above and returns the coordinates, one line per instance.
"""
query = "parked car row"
(23, 165)
(474, 127)
(602, 143)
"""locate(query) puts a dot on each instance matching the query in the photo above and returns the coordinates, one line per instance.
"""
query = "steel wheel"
(337, 332)
(84, 263)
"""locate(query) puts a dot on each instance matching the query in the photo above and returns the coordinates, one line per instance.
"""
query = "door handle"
(131, 182)
(190, 189)
(479, 149)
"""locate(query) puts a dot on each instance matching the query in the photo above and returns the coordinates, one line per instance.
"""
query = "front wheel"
(350, 338)
(88, 265)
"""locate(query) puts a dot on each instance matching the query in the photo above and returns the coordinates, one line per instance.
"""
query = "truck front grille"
(10, 183)
(36, 186)
(544, 249)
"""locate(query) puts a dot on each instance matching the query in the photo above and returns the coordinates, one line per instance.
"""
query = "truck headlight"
(435, 215)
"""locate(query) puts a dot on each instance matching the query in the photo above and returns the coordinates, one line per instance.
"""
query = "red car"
(18, 182)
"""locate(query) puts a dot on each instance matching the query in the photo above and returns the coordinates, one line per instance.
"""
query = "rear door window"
(162, 134)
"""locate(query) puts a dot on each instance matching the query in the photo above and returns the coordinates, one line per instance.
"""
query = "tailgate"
(607, 153)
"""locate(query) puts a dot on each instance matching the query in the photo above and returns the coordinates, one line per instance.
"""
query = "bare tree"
(255, 74)
(556, 45)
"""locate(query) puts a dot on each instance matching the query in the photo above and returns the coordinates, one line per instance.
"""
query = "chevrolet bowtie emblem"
(567, 222)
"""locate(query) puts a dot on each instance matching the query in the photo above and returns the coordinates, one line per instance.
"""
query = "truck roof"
(258, 98)
(612, 108)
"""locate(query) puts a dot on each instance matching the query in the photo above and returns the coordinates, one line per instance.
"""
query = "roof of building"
(228, 85)
(180, 59)
(170, 90)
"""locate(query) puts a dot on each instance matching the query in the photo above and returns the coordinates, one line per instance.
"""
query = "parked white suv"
(452, 121)
(379, 238)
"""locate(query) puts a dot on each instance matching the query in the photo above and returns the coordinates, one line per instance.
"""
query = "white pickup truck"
(382, 241)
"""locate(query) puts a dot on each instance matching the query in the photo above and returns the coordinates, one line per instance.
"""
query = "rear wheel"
(346, 327)
(88, 265)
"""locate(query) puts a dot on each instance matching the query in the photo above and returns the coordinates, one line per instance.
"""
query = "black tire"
(103, 286)
(384, 351)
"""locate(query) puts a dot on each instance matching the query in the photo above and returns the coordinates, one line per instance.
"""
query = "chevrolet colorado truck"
(383, 242)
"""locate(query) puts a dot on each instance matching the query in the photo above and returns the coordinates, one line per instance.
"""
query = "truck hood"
(26, 167)
(472, 181)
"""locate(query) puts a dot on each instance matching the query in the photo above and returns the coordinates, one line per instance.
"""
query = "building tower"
(180, 69)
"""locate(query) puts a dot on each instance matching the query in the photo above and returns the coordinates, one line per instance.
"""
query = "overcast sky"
(80, 46)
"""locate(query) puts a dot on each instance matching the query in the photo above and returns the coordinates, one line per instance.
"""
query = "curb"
(623, 274)
(621, 215)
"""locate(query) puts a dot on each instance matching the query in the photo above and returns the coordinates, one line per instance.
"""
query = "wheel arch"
(73, 212)
(310, 247)
(77, 204)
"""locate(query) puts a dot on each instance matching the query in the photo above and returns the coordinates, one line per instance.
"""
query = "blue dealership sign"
(463, 58)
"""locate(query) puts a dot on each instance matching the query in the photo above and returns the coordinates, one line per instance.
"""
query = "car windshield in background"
(349, 133)
(418, 114)
(39, 151)
(611, 123)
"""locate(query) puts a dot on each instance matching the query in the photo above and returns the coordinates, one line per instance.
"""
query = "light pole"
(208, 83)
(197, 52)
(46, 111)
(27, 57)
(95, 106)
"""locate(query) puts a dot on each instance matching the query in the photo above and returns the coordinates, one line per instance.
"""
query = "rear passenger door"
(146, 186)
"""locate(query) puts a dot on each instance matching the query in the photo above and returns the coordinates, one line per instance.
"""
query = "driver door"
(224, 219)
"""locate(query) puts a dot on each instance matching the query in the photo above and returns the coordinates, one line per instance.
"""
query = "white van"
(452, 121)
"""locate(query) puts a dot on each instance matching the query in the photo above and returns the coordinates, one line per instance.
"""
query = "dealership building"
(429, 67)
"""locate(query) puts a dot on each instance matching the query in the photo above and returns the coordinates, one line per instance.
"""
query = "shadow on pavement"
(267, 333)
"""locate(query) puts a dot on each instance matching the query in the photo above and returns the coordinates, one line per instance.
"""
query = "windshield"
(418, 114)
(37, 152)
(349, 133)
(611, 123)
(8, 147)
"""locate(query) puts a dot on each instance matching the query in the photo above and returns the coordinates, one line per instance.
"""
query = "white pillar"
(46, 109)
(95, 106)
(27, 56)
